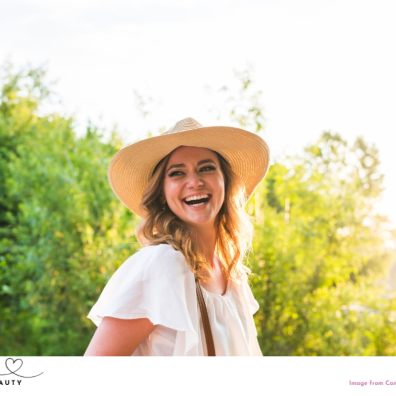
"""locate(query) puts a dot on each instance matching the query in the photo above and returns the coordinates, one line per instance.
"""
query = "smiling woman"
(185, 292)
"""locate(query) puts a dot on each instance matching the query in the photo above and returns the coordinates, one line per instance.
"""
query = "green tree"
(320, 254)
(62, 230)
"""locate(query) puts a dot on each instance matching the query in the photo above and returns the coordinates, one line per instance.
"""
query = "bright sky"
(320, 64)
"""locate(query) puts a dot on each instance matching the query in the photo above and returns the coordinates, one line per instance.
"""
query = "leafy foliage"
(61, 227)
(320, 260)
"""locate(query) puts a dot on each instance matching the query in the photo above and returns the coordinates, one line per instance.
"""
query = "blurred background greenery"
(323, 260)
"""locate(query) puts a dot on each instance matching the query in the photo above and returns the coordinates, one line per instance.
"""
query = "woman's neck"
(206, 240)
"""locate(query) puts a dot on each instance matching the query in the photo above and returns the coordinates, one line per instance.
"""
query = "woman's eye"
(174, 173)
(209, 167)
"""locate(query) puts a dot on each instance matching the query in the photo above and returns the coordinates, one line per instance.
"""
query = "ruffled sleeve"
(252, 304)
(154, 283)
(245, 306)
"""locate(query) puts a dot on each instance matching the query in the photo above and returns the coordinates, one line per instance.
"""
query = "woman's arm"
(118, 337)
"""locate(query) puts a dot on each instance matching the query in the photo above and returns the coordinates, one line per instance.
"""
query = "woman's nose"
(195, 180)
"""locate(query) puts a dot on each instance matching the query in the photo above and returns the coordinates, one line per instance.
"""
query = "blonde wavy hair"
(233, 225)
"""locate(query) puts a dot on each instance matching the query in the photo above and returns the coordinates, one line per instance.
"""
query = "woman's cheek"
(172, 192)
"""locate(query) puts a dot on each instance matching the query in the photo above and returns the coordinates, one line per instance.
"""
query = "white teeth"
(195, 197)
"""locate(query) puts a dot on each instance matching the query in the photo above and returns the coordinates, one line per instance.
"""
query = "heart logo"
(13, 365)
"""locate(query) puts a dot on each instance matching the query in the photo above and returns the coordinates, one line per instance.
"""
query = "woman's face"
(194, 185)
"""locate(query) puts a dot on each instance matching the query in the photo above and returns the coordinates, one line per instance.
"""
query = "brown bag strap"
(205, 320)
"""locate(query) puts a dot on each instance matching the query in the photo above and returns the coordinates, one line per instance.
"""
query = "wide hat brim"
(131, 168)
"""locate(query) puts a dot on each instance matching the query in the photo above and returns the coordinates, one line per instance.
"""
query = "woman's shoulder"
(163, 251)
(162, 248)
(161, 259)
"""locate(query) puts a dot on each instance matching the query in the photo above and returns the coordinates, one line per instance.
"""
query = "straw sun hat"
(132, 166)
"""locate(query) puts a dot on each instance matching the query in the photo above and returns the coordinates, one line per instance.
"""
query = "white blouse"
(156, 283)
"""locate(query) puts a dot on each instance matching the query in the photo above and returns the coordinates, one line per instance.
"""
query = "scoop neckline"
(218, 294)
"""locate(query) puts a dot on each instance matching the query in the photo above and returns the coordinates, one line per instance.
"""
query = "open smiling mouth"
(197, 201)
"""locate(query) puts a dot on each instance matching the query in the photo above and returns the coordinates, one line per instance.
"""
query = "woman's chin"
(197, 221)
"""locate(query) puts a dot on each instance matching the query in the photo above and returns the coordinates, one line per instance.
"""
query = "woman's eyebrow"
(183, 165)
